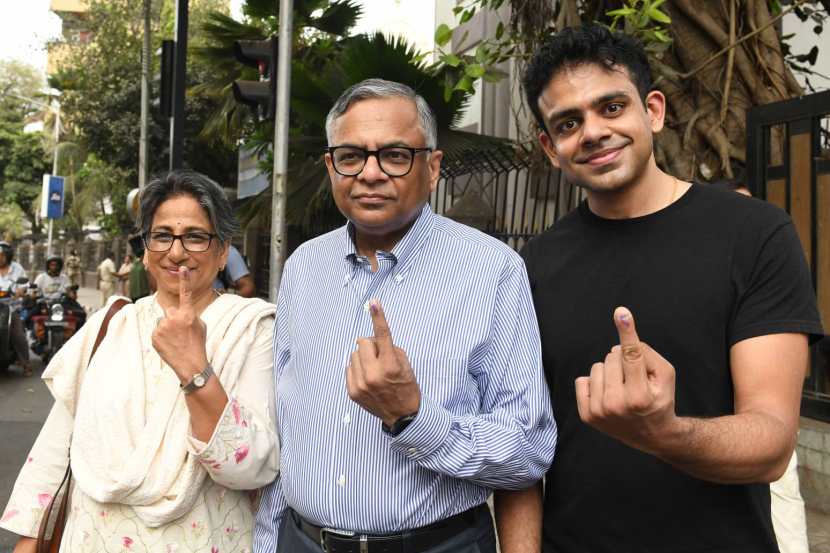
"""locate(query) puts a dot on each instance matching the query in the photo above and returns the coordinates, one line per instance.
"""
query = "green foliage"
(641, 18)
(644, 20)
(24, 165)
(11, 221)
(102, 102)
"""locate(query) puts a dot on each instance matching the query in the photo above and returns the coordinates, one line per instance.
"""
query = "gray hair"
(379, 88)
(205, 191)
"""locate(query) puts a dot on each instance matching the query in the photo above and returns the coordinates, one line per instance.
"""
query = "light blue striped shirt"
(458, 302)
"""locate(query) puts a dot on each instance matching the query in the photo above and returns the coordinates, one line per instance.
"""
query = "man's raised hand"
(379, 377)
(630, 395)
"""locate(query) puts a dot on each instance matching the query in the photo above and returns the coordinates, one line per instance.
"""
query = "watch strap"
(198, 380)
(399, 425)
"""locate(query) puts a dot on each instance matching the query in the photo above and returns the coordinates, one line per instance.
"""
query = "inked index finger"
(383, 336)
(632, 349)
(185, 291)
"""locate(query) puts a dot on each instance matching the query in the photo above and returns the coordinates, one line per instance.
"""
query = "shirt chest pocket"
(447, 382)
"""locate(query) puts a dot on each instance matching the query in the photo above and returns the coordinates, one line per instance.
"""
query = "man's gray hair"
(206, 192)
(379, 88)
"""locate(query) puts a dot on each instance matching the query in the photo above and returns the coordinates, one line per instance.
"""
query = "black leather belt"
(419, 539)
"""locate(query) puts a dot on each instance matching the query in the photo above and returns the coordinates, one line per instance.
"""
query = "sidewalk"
(90, 298)
(818, 531)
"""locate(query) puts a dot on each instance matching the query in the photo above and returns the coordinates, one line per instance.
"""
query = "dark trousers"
(478, 538)
(17, 336)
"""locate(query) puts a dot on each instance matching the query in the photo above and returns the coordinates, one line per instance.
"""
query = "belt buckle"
(324, 534)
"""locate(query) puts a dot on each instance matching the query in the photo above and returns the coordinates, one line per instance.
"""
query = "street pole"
(54, 172)
(278, 196)
(143, 159)
(179, 76)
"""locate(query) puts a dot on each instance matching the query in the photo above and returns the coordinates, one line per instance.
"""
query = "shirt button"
(366, 307)
(398, 278)
(341, 481)
(347, 418)
(412, 451)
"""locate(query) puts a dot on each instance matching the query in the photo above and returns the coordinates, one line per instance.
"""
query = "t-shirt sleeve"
(236, 267)
(774, 286)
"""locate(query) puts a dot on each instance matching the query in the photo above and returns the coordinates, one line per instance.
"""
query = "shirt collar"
(406, 248)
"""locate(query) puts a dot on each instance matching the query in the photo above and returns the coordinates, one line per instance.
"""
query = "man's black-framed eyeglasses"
(395, 161)
(194, 242)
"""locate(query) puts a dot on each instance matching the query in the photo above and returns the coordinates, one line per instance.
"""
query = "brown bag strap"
(52, 545)
(114, 308)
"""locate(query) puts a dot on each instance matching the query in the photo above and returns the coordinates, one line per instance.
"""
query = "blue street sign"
(53, 193)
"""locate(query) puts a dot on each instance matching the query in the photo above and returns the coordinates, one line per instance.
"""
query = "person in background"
(124, 274)
(73, 268)
(141, 282)
(789, 519)
(107, 278)
(10, 272)
(236, 276)
(53, 282)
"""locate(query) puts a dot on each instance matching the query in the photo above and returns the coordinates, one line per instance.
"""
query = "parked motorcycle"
(54, 321)
(9, 303)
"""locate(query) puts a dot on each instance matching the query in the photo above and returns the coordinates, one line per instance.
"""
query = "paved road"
(24, 404)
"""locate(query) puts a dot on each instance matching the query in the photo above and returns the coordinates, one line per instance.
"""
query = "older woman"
(172, 420)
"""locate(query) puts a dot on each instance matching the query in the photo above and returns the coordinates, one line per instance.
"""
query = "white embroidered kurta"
(242, 455)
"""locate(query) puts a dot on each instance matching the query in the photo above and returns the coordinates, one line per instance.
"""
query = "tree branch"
(730, 65)
(732, 45)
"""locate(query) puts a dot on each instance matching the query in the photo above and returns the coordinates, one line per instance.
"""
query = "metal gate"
(788, 162)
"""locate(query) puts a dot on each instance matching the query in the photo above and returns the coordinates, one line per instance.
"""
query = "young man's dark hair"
(587, 44)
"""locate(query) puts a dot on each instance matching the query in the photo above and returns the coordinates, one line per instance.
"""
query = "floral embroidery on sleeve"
(231, 442)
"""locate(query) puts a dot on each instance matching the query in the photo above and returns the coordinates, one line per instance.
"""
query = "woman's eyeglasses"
(191, 241)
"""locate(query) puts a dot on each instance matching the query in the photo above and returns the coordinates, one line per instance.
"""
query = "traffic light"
(261, 54)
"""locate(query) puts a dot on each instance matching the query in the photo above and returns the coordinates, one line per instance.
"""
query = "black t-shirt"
(708, 271)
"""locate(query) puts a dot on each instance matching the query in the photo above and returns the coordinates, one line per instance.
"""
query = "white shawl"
(122, 452)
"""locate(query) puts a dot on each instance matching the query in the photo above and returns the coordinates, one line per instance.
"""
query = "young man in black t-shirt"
(665, 445)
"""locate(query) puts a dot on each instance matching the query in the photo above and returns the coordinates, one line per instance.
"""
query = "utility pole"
(143, 159)
(278, 196)
(179, 78)
(54, 171)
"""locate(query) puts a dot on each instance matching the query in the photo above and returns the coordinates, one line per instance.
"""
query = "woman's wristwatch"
(198, 380)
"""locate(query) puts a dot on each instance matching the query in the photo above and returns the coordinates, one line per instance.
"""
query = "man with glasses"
(407, 356)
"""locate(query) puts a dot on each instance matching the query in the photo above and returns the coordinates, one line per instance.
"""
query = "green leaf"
(467, 15)
(622, 12)
(457, 10)
(474, 71)
(499, 30)
(482, 52)
(661, 36)
(465, 84)
(451, 59)
(443, 34)
(493, 75)
(657, 15)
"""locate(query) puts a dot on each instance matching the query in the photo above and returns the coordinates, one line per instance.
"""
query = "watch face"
(199, 380)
